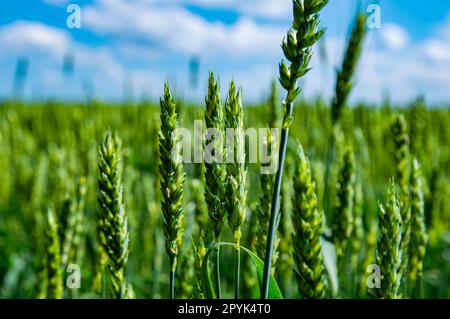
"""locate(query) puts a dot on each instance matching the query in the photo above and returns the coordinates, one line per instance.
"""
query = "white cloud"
(25, 36)
(176, 28)
(437, 50)
(44, 47)
(394, 36)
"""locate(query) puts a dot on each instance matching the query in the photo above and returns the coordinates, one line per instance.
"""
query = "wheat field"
(97, 201)
(50, 154)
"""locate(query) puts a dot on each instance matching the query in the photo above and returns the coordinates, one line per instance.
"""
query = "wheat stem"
(172, 180)
(236, 193)
(297, 49)
(215, 169)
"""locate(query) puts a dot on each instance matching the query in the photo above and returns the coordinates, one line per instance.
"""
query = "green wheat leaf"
(274, 290)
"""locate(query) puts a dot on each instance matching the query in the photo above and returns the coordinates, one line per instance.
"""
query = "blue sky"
(127, 48)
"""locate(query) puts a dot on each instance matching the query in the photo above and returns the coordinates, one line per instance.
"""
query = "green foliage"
(43, 128)
(274, 290)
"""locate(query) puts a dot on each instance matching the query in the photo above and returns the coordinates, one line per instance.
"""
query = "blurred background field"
(46, 148)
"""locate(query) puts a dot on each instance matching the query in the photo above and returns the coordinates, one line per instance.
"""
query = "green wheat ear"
(236, 198)
(419, 236)
(307, 221)
(237, 174)
(297, 45)
(73, 236)
(200, 249)
(389, 245)
(112, 215)
(53, 258)
(172, 180)
(342, 214)
(344, 82)
(402, 154)
(402, 172)
(215, 171)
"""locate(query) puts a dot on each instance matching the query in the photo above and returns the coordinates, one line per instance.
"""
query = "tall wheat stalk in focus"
(297, 46)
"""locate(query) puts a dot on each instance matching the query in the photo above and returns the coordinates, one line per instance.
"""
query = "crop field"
(305, 198)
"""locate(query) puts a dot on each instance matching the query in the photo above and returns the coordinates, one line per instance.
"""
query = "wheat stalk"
(236, 173)
(101, 259)
(215, 170)
(343, 87)
(345, 75)
(112, 215)
(274, 112)
(342, 214)
(53, 258)
(307, 221)
(389, 245)
(198, 242)
(73, 234)
(200, 209)
(263, 209)
(267, 183)
(185, 278)
(419, 238)
(172, 180)
(357, 237)
(200, 250)
(297, 49)
(402, 164)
